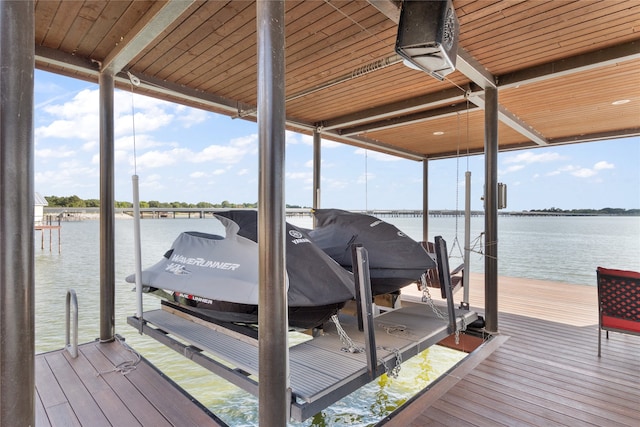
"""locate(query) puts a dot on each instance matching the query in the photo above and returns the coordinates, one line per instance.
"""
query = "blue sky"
(187, 155)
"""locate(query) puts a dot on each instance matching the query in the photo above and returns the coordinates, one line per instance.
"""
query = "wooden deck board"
(114, 409)
(155, 388)
(126, 391)
(89, 391)
(41, 414)
(546, 373)
(87, 410)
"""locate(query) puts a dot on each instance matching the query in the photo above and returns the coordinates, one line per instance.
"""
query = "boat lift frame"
(323, 370)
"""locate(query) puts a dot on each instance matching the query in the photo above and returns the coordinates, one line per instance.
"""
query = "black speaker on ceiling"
(428, 36)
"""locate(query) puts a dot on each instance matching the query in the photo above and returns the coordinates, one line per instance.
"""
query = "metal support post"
(274, 394)
(425, 200)
(107, 210)
(491, 209)
(17, 277)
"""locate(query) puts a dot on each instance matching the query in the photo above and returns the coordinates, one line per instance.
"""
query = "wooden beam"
(145, 31)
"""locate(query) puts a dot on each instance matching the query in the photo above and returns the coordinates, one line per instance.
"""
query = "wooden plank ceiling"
(559, 66)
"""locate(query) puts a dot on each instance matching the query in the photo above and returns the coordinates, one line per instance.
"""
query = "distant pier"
(74, 214)
(48, 223)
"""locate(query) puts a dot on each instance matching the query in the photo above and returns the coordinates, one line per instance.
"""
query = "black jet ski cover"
(395, 259)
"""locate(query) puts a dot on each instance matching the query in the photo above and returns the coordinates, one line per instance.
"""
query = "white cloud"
(191, 116)
(90, 146)
(334, 184)
(152, 182)
(583, 173)
(78, 118)
(603, 165)
(528, 157)
(49, 153)
(327, 143)
(122, 156)
(233, 153)
(292, 138)
(511, 169)
(306, 177)
(69, 176)
(375, 155)
(219, 153)
(156, 159)
(365, 178)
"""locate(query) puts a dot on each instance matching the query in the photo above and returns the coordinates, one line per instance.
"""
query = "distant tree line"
(76, 202)
(604, 211)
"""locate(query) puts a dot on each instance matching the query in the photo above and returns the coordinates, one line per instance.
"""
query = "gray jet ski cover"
(226, 269)
(209, 266)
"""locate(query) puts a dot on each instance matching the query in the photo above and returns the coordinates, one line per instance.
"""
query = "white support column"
(317, 165)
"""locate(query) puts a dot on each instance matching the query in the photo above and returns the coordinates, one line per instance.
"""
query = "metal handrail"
(71, 345)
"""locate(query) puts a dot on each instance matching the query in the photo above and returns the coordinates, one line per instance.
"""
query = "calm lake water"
(562, 249)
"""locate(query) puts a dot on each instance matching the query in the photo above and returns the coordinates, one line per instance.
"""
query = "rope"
(128, 365)
(395, 330)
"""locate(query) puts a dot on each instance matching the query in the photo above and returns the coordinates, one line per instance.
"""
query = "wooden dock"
(90, 390)
(542, 370)
(50, 227)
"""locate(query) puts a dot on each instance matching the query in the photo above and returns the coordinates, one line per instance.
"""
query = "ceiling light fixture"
(620, 101)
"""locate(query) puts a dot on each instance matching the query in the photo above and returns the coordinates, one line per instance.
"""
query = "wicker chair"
(618, 301)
